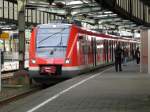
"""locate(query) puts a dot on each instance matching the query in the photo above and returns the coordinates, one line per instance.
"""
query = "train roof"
(84, 30)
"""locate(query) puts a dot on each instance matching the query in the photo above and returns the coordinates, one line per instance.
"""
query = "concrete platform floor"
(107, 91)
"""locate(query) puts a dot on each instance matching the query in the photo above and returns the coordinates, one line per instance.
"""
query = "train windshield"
(52, 41)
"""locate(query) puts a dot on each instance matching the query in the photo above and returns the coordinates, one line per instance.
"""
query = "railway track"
(19, 96)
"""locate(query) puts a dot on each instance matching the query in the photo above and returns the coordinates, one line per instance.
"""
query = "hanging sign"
(4, 36)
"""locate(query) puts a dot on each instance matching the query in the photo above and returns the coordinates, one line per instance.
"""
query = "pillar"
(21, 28)
(145, 51)
(149, 51)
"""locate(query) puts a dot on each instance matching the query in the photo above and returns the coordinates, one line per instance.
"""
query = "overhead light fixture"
(101, 15)
(74, 2)
(112, 14)
(108, 12)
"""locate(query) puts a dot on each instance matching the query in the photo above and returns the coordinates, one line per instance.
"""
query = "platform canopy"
(135, 10)
(89, 11)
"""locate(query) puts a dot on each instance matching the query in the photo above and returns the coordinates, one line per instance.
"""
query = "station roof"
(89, 11)
(95, 12)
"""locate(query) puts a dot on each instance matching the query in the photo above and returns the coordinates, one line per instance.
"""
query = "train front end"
(48, 50)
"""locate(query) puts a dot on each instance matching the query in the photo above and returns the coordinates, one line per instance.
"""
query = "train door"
(102, 51)
(112, 53)
(94, 51)
(109, 51)
(114, 47)
(106, 50)
(99, 51)
(85, 50)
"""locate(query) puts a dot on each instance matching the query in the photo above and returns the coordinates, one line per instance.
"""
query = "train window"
(52, 37)
(52, 41)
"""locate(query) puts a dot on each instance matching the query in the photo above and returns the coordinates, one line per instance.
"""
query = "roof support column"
(21, 28)
(145, 51)
(149, 51)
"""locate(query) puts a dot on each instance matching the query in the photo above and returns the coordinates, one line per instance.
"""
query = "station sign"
(4, 36)
(27, 34)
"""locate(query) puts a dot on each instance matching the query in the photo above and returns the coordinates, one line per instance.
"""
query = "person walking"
(137, 55)
(118, 57)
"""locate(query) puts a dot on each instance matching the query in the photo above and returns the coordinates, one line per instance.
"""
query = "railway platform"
(99, 91)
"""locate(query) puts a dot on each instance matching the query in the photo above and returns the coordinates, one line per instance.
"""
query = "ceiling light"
(101, 15)
(74, 2)
(108, 12)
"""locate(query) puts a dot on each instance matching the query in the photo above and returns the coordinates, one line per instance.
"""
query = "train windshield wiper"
(50, 46)
(44, 46)
(51, 36)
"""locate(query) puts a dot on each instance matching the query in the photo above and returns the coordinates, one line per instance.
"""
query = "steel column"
(21, 27)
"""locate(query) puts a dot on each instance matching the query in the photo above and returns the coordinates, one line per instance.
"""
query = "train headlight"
(33, 61)
(67, 61)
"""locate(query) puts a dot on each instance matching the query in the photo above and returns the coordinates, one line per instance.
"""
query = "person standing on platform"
(118, 57)
(137, 55)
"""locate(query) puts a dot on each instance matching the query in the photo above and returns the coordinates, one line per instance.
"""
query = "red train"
(64, 50)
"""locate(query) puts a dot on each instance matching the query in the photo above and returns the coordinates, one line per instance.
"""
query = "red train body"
(64, 50)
